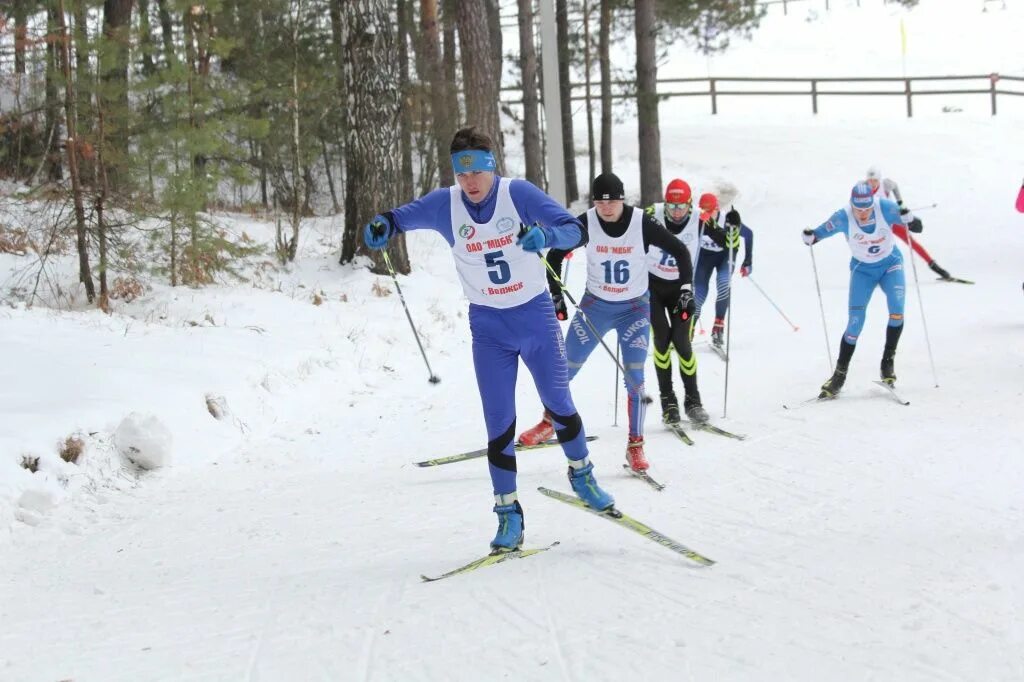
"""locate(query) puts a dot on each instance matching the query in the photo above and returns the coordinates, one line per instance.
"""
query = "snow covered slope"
(858, 537)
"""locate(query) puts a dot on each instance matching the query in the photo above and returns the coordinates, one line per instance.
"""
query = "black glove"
(915, 225)
(712, 231)
(685, 307)
(732, 218)
(561, 312)
(903, 209)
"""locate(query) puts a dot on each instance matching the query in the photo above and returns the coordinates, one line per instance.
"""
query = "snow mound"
(144, 440)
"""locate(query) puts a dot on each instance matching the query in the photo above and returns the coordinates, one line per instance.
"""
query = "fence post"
(714, 96)
(992, 79)
(910, 105)
(785, 11)
(814, 96)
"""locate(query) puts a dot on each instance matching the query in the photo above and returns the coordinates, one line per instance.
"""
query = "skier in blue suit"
(868, 223)
(510, 312)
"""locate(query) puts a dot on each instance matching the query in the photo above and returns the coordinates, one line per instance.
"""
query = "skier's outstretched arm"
(432, 211)
(831, 227)
(561, 229)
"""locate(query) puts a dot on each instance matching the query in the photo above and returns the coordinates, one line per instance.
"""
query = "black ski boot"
(888, 370)
(831, 388)
(669, 408)
(695, 412)
(940, 271)
(892, 338)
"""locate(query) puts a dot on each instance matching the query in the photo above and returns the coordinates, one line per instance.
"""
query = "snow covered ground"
(855, 540)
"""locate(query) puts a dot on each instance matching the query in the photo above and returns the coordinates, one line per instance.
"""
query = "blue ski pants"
(501, 336)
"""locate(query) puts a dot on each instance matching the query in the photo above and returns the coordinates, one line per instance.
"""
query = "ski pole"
(923, 208)
(920, 301)
(696, 260)
(821, 305)
(434, 379)
(750, 278)
(615, 414)
(565, 292)
(728, 335)
(593, 329)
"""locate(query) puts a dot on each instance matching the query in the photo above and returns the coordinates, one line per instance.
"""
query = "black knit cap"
(607, 186)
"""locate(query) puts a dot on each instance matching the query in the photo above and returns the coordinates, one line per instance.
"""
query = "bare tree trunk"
(372, 161)
(572, 188)
(481, 75)
(647, 101)
(84, 114)
(20, 35)
(603, 46)
(590, 105)
(167, 32)
(442, 122)
(84, 272)
(117, 17)
(531, 108)
(448, 24)
(146, 39)
(288, 253)
(54, 168)
(261, 149)
(338, 44)
(330, 175)
(405, 119)
(103, 192)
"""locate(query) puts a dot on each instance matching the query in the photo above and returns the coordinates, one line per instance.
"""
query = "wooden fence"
(993, 85)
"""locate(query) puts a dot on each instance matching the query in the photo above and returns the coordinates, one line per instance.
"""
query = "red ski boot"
(635, 454)
(717, 332)
(543, 431)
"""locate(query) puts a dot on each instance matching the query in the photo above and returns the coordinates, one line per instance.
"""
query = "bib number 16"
(617, 272)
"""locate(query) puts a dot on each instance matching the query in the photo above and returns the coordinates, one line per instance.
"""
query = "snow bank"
(144, 440)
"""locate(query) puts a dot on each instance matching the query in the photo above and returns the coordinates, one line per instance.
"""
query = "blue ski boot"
(509, 537)
(581, 478)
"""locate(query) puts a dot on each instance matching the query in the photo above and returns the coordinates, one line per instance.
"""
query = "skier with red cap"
(886, 188)
(666, 280)
(719, 247)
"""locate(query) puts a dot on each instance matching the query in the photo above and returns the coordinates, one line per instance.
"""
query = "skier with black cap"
(616, 298)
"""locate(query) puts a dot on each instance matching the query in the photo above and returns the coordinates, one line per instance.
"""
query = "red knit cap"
(708, 205)
(678, 192)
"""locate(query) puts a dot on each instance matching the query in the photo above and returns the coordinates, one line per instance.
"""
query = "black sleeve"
(748, 250)
(656, 234)
(554, 259)
(713, 231)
